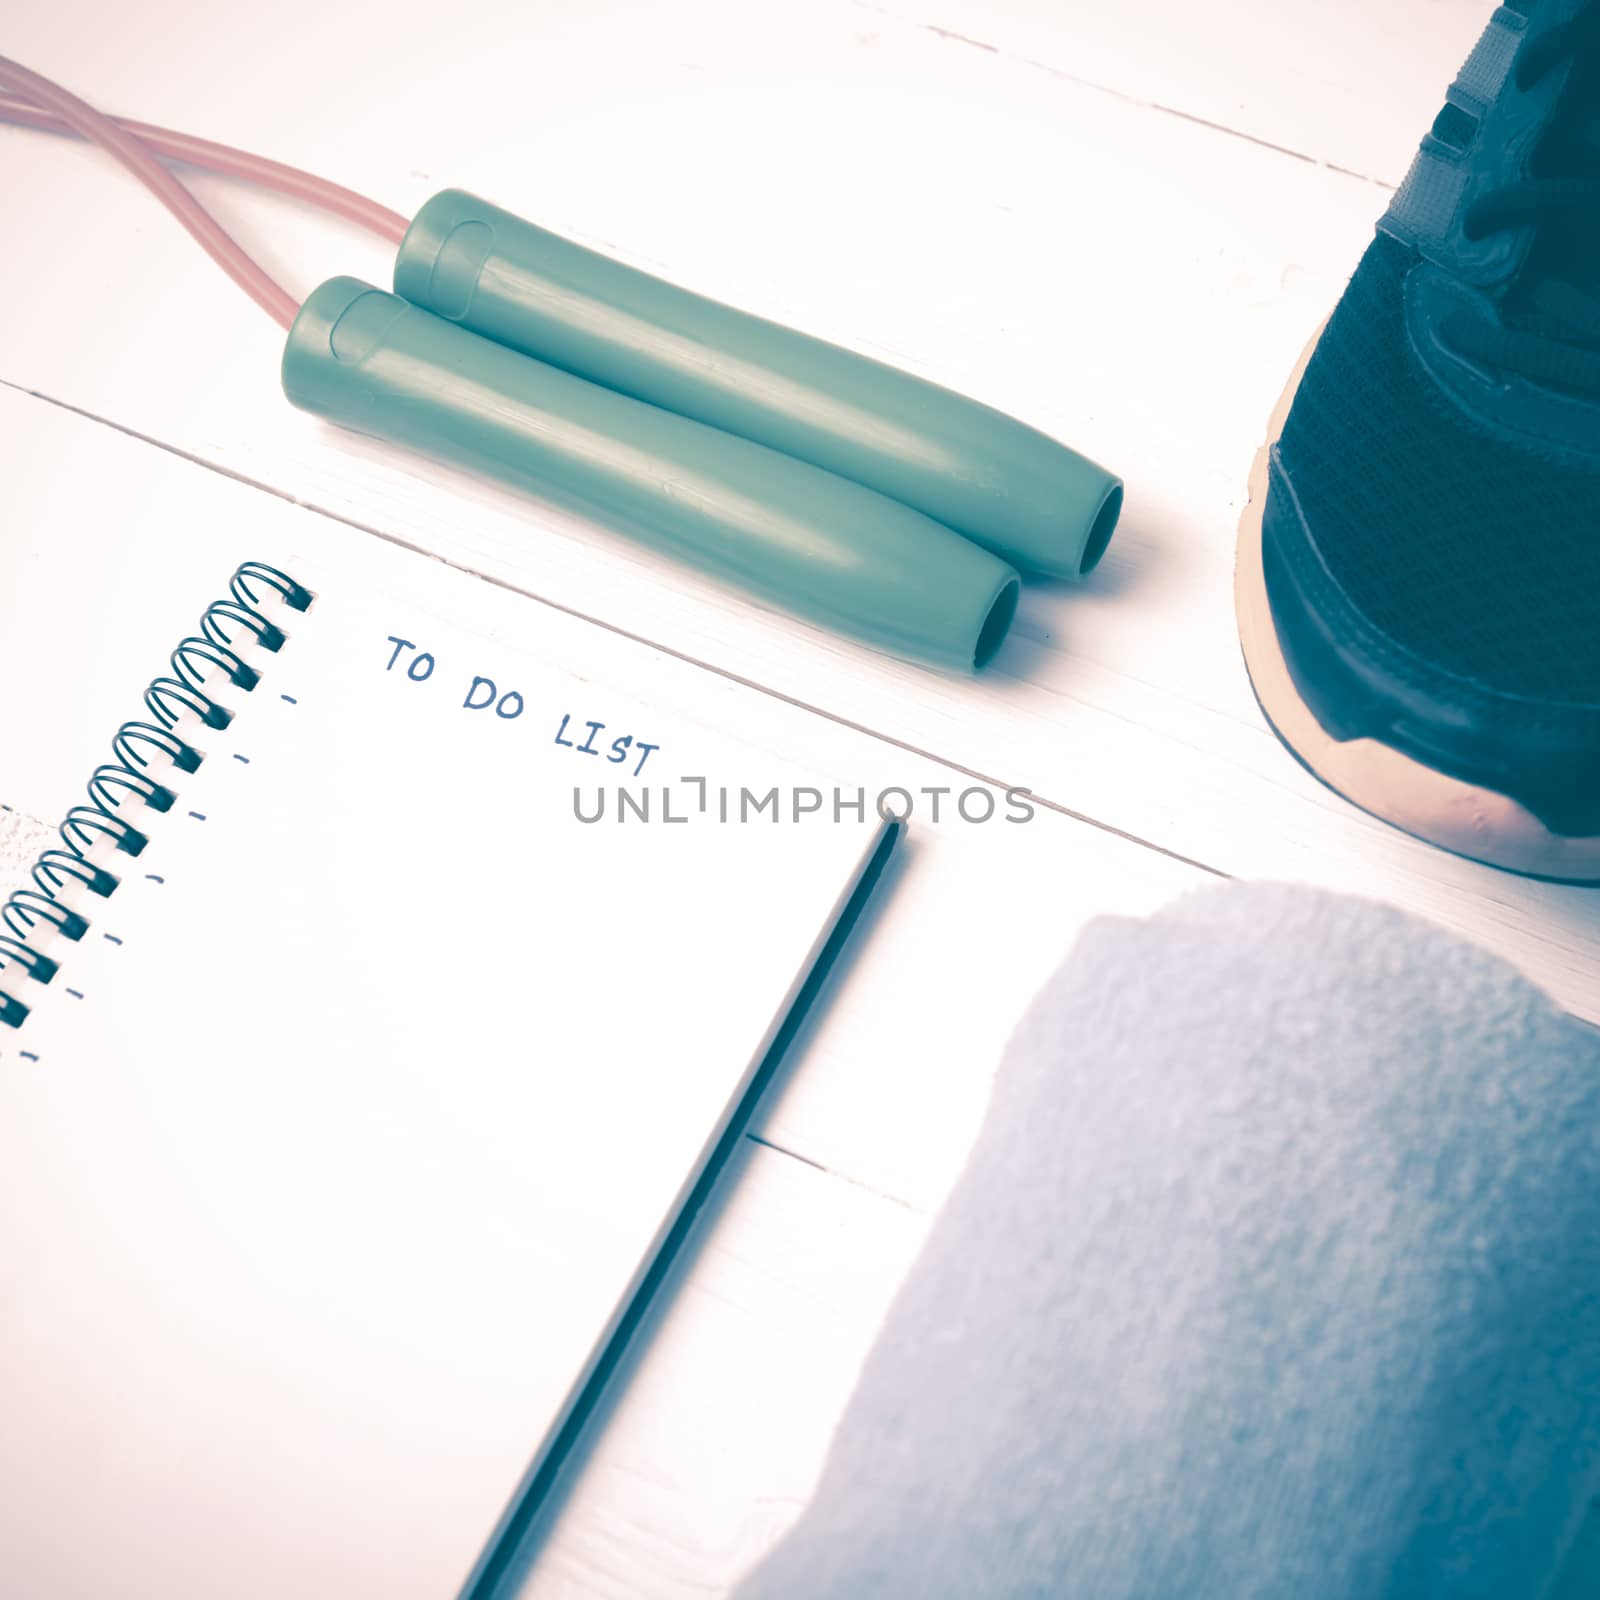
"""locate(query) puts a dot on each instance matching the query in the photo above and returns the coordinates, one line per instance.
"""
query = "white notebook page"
(325, 1172)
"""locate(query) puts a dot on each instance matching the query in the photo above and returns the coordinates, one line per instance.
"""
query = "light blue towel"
(1275, 1273)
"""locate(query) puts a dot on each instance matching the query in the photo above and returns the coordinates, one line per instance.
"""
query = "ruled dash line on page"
(111, 938)
(199, 816)
(290, 698)
(238, 757)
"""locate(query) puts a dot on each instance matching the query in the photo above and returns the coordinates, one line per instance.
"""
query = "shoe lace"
(1554, 334)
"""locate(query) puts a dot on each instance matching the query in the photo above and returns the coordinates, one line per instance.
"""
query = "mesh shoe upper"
(1473, 552)
(1431, 535)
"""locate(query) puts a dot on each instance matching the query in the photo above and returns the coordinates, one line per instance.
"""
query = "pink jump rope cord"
(36, 102)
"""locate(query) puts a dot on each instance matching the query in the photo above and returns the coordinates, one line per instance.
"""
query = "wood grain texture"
(874, 1110)
(718, 1433)
(1119, 222)
(1134, 282)
(920, 1009)
(1346, 86)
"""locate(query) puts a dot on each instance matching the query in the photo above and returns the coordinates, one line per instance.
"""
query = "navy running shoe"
(1419, 567)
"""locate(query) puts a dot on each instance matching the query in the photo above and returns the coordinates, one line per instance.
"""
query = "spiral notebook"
(402, 982)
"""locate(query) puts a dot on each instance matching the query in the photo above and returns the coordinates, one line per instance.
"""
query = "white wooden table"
(1120, 222)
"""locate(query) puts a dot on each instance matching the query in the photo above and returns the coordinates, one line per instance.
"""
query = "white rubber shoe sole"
(1379, 779)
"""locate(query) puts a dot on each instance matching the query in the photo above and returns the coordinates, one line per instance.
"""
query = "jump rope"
(840, 488)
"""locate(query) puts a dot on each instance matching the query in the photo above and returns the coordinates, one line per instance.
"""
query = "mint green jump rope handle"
(1032, 501)
(806, 539)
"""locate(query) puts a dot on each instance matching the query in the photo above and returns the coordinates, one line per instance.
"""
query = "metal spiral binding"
(69, 871)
